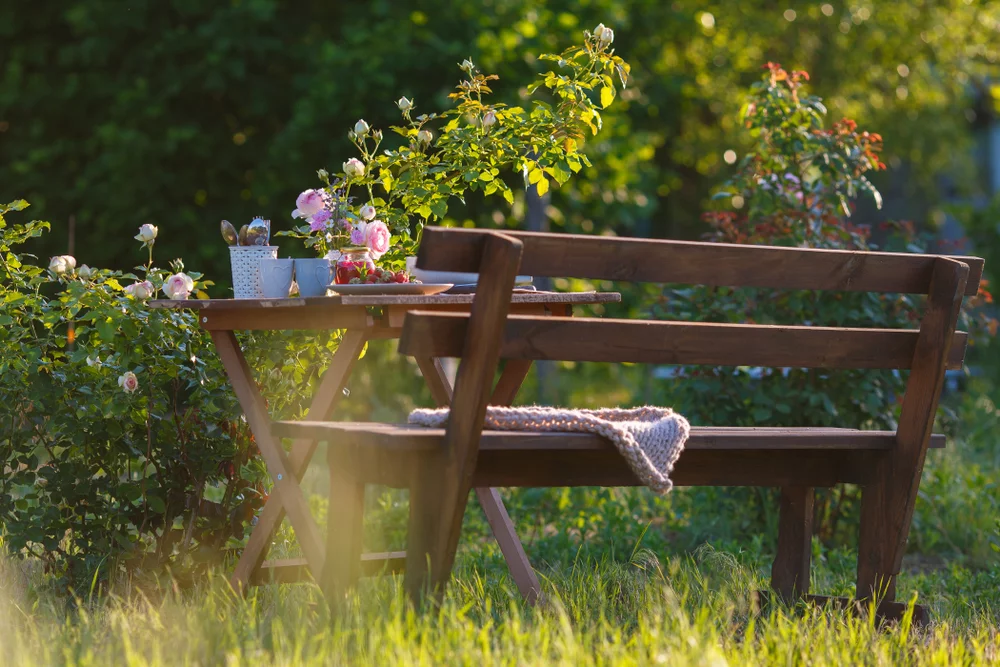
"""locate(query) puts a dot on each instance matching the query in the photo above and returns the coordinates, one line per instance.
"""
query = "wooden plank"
(793, 555)
(404, 437)
(489, 499)
(517, 297)
(885, 611)
(683, 343)
(286, 485)
(273, 319)
(345, 523)
(327, 395)
(887, 505)
(498, 467)
(395, 316)
(294, 570)
(693, 263)
(441, 488)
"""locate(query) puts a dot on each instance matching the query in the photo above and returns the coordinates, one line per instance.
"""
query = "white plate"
(451, 276)
(391, 288)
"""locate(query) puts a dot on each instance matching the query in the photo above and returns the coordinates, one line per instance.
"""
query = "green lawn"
(683, 610)
(630, 578)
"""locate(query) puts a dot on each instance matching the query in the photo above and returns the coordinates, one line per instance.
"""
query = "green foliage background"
(180, 113)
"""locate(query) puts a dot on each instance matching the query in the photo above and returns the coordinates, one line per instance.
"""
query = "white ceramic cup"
(276, 277)
(313, 276)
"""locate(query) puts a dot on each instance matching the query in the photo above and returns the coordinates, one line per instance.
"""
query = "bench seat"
(713, 456)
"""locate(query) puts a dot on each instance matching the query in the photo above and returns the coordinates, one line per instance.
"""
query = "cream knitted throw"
(649, 438)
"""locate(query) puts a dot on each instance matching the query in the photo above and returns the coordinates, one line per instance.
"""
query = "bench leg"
(790, 570)
(430, 544)
(876, 545)
(345, 523)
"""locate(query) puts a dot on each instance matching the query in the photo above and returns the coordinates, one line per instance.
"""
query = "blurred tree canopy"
(182, 112)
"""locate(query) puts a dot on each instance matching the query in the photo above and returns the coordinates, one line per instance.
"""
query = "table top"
(518, 297)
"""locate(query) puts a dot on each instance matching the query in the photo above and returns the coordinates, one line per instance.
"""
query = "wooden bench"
(440, 466)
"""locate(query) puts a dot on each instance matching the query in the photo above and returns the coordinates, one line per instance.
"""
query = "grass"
(630, 578)
(690, 610)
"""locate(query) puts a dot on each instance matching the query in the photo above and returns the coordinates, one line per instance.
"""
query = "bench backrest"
(927, 352)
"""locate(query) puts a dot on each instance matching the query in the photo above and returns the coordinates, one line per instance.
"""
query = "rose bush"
(468, 150)
(121, 444)
(796, 187)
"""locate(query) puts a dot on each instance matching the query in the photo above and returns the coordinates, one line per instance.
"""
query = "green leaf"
(156, 503)
(607, 96)
(542, 186)
(106, 329)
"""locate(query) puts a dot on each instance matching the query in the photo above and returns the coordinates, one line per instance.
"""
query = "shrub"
(796, 187)
(121, 442)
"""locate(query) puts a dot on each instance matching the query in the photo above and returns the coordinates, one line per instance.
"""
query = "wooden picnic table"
(362, 318)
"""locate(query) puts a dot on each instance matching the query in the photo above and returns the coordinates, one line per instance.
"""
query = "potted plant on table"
(371, 213)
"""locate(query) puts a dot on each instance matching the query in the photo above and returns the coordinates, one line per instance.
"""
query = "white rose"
(85, 272)
(140, 291)
(128, 382)
(368, 212)
(604, 34)
(467, 65)
(489, 119)
(424, 136)
(354, 167)
(178, 286)
(62, 264)
(404, 104)
(361, 127)
(147, 234)
(95, 361)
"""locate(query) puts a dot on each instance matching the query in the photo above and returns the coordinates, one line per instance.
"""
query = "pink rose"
(308, 203)
(128, 382)
(178, 286)
(142, 290)
(319, 220)
(358, 235)
(377, 238)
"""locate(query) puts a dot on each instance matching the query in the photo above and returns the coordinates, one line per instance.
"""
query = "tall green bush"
(797, 187)
(122, 448)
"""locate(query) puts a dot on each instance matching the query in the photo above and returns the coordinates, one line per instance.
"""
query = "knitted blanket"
(650, 438)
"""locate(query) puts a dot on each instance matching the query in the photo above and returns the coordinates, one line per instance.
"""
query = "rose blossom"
(147, 234)
(178, 286)
(142, 290)
(318, 221)
(424, 136)
(377, 238)
(62, 264)
(308, 203)
(85, 272)
(404, 104)
(94, 361)
(354, 167)
(358, 234)
(489, 119)
(361, 127)
(128, 382)
(368, 212)
(603, 34)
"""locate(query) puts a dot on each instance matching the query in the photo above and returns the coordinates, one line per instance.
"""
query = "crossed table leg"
(286, 470)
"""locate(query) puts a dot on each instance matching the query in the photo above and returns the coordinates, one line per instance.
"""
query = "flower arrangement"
(381, 200)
